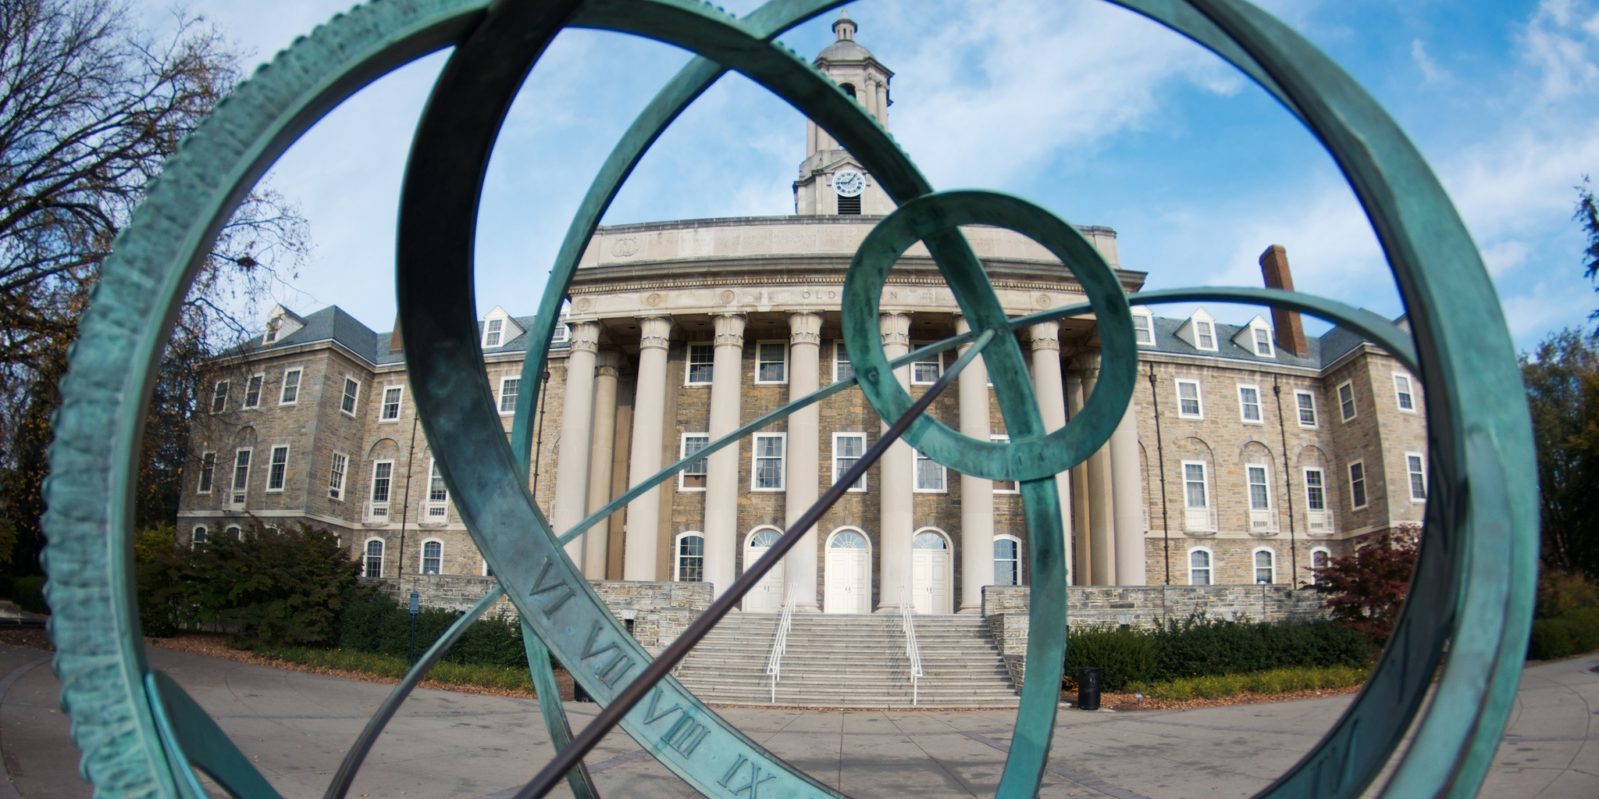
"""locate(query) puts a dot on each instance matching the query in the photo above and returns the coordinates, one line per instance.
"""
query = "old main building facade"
(1248, 453)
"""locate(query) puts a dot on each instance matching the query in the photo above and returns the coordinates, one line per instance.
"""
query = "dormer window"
(1144, 329)
(493, 330)
(1204, 335)
(272, 330)
(561, 335)
(1263, 346)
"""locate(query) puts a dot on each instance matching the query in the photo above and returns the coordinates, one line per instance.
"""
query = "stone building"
(1249, 452)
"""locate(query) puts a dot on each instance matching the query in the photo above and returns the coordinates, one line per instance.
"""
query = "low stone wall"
(1005, 609)
(656, 613)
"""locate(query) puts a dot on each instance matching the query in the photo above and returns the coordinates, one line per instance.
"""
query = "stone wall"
(656, 613)
(1005, 609)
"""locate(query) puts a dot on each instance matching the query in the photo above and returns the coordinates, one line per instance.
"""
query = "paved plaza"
(296, 726)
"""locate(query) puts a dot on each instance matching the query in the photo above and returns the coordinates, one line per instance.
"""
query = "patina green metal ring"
(1020, 458)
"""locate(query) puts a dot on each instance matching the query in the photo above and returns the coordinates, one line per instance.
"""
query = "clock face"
(848, 183)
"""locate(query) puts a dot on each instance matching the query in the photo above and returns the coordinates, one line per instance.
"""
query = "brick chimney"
(395, 344)
(1289, 328)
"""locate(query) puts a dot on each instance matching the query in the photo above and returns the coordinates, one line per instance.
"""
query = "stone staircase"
(835, 660)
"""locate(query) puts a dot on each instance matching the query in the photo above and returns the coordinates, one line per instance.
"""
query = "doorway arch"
(849, 572)
(767, 595)
(932, 572)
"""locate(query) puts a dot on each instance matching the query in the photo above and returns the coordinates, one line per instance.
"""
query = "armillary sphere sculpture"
(1462, 634)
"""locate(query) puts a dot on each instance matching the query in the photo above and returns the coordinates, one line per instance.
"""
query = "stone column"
(572, 456)
(1127, 494)
(1100, 502)
(596, 540)
(1050, 391)
(896, 521)
(649, 418)
(977, 494)
(721, 476)
(804, 455)
(1083, 553)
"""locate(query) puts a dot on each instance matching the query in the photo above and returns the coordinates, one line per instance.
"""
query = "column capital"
(729, 329)
(608, 364)
(804, 327)
(1045, 336)
(1089, 363)
(895, 328)
(655, 333)
(585, 336)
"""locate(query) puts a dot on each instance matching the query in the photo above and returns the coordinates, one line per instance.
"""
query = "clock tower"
(830, 180)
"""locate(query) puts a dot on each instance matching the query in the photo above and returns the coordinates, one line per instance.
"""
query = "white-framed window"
(1196, 497)
(1346, 400)
(1258, 478)
(208, 470)
(1249, 404)
(219, 396)
(1357, 485)
(766, 469)
(1199, 566)
(931, 477)
(926, 370)
(393, 396)
(241, 478)
(252, 390)
(272, 529)
(688, 558)
(372, 558)
(1265, 566)
(432, 556)
(1205, 335)
(352, 392)
(1261, 336)
(336, 469)
(847, 451)
(1403, 393)
(438, 498)
(277, 468)
(510, 385)
(1305, 403)
(1416, 467)
(1320, 557)
(493, 332)
(1143, 328)
(701, 364)
(197, 537)
(692, 478)
(1004, 486)
(377, 507)
(488, 571)
(291, 387)
(561, 335)
(1189, 404)
(273, 325)
(771, 362)
(1315, 490)
(235, 532)
(842, 368)
(1007, 560)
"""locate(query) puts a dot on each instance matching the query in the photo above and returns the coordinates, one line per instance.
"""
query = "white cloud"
(1431, 73)
(1562, 43)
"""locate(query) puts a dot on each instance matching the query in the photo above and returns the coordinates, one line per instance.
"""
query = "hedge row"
(374, 623)
(1575, 633)
(1275, 681)
(1198, 647)
(394, 667)
(28, 592)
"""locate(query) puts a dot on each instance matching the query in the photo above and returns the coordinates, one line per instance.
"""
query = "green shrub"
(1561, 592)
(29, 594)
(1197, 647)
(374, 623)
(1272, 681)
(1124, 656)
(394, 667)
(1574, 633)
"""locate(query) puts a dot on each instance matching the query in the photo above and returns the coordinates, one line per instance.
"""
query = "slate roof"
(1322, 352)
(335, 324)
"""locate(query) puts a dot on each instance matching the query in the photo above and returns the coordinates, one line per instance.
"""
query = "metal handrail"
(774, 661)
(913, 651)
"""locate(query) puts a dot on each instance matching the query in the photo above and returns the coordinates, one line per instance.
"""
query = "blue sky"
(1093, 112)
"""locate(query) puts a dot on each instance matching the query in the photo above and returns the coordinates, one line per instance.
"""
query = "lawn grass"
(1274, 681)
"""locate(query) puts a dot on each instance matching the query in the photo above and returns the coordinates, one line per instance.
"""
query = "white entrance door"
(930, 573)
(849, 569)
(767, 595)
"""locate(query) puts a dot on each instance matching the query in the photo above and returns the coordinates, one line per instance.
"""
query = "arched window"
(432, 556)
(1265, 567)
(688, 565)
(1319, 558)
(1199, 563)
(849, 88)
(847, 539)
(235, 533)
(1007, 560)
(928, 539)
(198, 541)
(372, 564)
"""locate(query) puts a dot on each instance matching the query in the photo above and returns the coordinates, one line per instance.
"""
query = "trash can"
(1088, 682)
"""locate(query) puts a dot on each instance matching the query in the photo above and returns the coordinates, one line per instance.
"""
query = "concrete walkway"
(296, 726)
